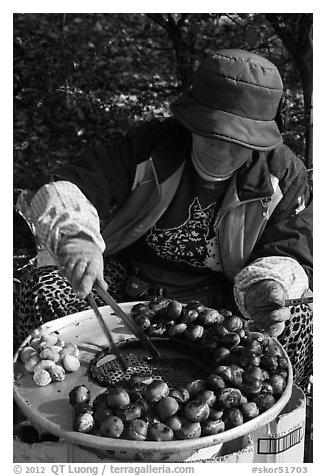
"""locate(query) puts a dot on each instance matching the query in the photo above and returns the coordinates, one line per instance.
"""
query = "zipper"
(265, 201)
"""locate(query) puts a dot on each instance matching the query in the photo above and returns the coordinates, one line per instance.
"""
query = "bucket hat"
(234, 97)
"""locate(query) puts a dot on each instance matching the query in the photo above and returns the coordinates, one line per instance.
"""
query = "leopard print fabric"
(297, 340)
(45, 295)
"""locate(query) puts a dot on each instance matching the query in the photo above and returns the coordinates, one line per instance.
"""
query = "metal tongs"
(128, 321)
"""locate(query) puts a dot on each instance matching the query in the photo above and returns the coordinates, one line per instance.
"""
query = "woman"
(208, 204)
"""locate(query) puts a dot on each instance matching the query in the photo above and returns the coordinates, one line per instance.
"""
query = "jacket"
(267, 210)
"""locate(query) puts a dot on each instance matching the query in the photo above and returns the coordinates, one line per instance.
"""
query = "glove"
(264, 302)
(81, 262)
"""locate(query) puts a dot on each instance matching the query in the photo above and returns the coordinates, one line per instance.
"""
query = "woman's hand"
(264, 302)
(81, 262)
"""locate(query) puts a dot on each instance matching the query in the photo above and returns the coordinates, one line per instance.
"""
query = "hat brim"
(207, 122)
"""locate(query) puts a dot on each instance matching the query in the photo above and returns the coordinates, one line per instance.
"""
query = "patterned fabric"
(44, 294)
(60, 209)
(284, 270)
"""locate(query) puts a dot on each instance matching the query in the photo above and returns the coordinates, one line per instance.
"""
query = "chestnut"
(249, 411)
(140, 379)
(212, 427)
(264, 401)
(136, 430)
(221, 355)
(225, 372)
(215, 414)
(233, 418)
(117, 397)
(209, 317)
(208, 396)
(173, 310)
(195, 305)
(228, 397)
(194, 332)
(101, 415)
(233, 323)
(157, 329)
(278, 384)
(83, 422)
(129, 412)
(143, 322)
(100, 402)
(158, 303)
(230, 340)
(177, 329)
(195, 387)
(189, 316)
(216, 382)
(155, 391)
(112, 427)
(167, 407)
(138, 310)
(196, 411)
(237, 373)
(219, 330)
(181, 394)
(79, 394)
(188, 431)
(160, 432)
(174, 422)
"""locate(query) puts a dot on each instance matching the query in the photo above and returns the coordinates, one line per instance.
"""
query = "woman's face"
(217, 158)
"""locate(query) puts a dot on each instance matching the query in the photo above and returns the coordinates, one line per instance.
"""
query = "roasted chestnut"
(83, 422)
(209, 317)
(232, 323)
(264, 401)
(174, 422)
(117, 397)
(100, 402)
(79, 394)
(155, 391)
(143, 322)
(212, 427)
(181, 394)
(101, 415)
(216, 382)
(233, 418)
(188, 431)
(221, 355)
(194, 332)
(158, 303)
(160, 432)
(157, 329)
(136, 430)
(189, 316)
(177, 329)
(196, 305)
(167, 407)
(277, 383)
(195, 387)
(129, 412)
(249, 410)
(208, 396)
(196, 411)
(112, 427)
(173, 309)
(228, 397)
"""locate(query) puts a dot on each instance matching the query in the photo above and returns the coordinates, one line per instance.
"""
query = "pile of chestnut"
(249, 375)
(48, 357)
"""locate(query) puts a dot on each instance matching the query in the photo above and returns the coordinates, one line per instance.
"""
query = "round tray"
(49, 409)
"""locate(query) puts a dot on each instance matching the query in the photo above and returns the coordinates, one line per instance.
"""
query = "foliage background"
(83, 79)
